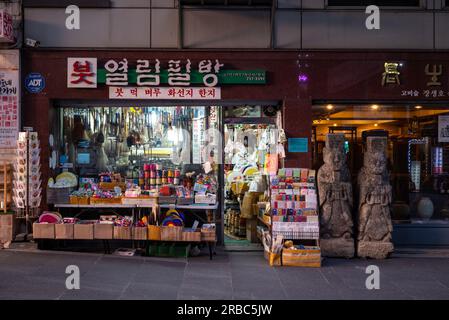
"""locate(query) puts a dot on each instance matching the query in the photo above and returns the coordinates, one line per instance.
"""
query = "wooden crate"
(301, 257)
(171, 233)
(103, 231)
(140, 233)
(83, 231)
(192, 236)
(43, 230)
(117, 200)
(122, 233)
(154, 233)
(64, 231)
(83, 200)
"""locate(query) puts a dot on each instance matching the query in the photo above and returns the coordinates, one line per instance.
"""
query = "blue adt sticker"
(34, 82)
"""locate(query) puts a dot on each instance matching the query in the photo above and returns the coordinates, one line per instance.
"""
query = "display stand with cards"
(293, 239)
(27, 178)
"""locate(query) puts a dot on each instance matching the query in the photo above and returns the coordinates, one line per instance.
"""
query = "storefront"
(152, 118)
(404, 97)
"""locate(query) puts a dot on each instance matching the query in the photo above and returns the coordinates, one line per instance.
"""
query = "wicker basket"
(301, 257)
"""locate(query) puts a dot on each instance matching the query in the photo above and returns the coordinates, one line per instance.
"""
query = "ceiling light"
(375, 124)
(418, 107)
(329, 107)
(374, 107)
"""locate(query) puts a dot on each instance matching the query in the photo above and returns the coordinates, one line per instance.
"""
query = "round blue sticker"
(34, 82)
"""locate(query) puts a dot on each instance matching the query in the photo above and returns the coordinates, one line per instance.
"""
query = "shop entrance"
(123, 145)
(248, 134)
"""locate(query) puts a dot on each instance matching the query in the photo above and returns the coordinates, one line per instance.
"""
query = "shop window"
(418, 150)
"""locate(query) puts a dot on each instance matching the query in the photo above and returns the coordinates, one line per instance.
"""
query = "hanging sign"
(9, 108)
(6, 27)
(164, 93)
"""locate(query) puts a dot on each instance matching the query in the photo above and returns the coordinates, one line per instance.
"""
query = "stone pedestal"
(337, 248)
(374, 249)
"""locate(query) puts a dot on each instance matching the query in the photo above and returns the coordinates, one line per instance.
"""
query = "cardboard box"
(171, 233)
(64, 231)
(140, 233)
(6, 227)
(122, 233)
(43, 230)
(103, 231)
(191, 236)
(251, 230)
(208, 235)
(247, 209)
(154, 233)
(83, 231)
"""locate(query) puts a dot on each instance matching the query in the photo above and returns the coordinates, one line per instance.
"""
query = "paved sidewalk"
(231, 275)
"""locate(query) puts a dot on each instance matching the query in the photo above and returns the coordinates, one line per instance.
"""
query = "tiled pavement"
(231, 275)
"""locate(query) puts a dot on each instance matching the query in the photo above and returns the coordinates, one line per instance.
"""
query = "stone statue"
(335, 196)
(374, 220)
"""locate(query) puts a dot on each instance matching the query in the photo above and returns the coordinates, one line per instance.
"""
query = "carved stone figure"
(374, 220)
(335, 195)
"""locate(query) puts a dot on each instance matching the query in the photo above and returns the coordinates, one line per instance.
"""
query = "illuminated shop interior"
(417, 158)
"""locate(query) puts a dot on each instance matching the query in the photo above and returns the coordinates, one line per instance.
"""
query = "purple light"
(303, 78)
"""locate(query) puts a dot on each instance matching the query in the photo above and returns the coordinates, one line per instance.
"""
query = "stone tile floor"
(27, 274)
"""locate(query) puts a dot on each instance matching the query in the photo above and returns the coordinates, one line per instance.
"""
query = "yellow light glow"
(418, 107)
(374, 107)
(335, 124)
(375, 124)
(329, 107)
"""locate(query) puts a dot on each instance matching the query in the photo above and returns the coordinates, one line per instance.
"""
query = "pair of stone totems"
(336, 201)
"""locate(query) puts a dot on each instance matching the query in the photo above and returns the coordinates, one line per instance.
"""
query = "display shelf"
(112, 205)
(191, 206)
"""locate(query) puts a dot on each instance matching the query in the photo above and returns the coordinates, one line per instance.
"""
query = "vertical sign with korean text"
(443, 129)
(9, 108)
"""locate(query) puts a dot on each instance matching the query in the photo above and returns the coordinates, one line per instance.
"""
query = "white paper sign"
(81, 72)
(9, 108)
(443, 128)
(165, 93)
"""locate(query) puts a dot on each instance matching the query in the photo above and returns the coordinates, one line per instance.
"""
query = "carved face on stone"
(334, 158)
(376, 163)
